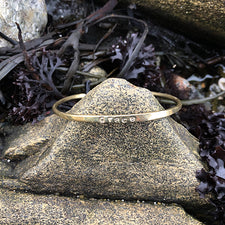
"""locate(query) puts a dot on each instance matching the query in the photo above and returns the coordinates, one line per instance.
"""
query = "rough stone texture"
(30, 15)
(31, 139)
(5, 169)
(24, 208)
(202, 19)
(153, 160)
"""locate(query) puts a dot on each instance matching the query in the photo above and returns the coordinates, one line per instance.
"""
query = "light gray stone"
(30, 15)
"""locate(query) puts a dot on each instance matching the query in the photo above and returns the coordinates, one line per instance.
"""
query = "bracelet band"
(124, 118)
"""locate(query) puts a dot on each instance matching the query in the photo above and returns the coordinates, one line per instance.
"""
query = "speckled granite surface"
(153, 160)
(24, 208)
(201, 19)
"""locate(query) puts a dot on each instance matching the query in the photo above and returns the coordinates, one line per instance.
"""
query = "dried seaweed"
(145, 63)
(212, 151)
(32, 98)
(32, 72)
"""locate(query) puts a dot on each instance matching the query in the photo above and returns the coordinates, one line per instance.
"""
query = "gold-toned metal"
(124, 118)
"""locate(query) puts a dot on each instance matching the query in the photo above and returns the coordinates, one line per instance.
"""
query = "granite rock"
(203, 20)
(5, 169)
(30, 15)
(24, 208)
(154, 160)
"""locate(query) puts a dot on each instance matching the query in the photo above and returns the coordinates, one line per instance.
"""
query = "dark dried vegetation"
(33, 75)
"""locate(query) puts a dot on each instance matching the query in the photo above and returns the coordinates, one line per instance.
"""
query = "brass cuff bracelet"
(140, 117)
